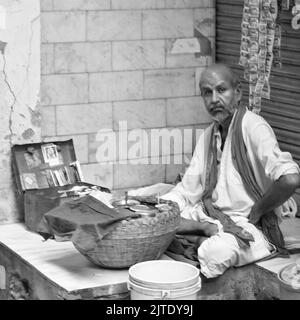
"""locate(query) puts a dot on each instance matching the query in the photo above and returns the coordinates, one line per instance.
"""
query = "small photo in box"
(50, 154)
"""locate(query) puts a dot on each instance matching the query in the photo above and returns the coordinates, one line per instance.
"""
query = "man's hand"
(191, 227)
(279, 191)
(210, 229)
(255, 216)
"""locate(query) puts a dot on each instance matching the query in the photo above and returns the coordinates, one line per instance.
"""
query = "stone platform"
(31, 268)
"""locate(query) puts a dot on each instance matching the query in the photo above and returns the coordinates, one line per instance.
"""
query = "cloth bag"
(86, 213)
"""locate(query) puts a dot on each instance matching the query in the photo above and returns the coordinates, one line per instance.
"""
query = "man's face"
(219, 95)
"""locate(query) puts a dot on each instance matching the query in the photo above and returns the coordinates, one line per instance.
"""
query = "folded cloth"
(86, 213)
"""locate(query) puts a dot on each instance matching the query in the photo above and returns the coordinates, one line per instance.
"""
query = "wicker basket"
(132, 241)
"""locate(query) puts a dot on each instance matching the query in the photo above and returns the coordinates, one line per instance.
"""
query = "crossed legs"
(221, 251)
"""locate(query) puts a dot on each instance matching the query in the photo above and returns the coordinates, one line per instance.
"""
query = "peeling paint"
(20, 118)
(28, 134)
(20, 82)
(35, 115)
(2, 46)
(205, 44)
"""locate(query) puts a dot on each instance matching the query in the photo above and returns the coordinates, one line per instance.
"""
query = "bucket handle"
(165, 294)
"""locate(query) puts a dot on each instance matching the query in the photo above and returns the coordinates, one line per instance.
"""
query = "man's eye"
(206, 93)
(221, 90)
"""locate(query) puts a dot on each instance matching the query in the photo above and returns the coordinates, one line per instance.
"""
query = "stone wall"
(19, 87)
(109, 61)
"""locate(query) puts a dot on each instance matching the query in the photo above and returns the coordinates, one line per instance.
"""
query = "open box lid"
(45, 165)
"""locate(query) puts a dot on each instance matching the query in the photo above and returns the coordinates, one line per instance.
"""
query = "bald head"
(222, 70)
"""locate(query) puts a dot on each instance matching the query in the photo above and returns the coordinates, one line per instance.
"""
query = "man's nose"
(215, 96)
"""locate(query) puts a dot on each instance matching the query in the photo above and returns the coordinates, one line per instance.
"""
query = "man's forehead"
(219, 68)
(215, 76)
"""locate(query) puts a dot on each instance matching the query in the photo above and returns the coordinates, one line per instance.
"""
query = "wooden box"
(45, 176)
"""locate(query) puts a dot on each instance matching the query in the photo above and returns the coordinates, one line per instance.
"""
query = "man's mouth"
(216, 109)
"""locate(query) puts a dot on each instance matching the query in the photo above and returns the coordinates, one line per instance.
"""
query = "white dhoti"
(221, 251)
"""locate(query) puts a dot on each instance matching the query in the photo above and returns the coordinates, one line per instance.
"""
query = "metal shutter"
(283, 110)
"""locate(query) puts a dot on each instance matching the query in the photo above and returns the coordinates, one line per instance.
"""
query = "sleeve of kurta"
(190, 189)
(263, 140)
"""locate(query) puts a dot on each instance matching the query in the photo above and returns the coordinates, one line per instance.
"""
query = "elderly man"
(236, 179)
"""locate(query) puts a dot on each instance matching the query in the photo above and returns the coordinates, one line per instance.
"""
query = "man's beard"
(223, 118)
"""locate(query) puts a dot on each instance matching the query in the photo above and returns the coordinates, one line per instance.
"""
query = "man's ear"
(238, 92)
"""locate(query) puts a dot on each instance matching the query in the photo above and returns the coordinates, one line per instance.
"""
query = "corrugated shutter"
(283, 110)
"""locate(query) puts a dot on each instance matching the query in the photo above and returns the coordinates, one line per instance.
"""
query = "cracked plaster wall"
(19, 87)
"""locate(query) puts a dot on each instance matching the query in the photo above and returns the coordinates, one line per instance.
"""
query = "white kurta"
(269, 163)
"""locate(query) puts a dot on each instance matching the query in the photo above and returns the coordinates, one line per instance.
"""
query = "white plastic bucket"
(163, 279)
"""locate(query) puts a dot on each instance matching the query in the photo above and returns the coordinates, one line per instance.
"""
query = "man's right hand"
(191, 227)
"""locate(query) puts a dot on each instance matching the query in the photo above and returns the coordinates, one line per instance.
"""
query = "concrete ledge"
(53, 270)
(234, 284)
(266, 275)
(244, 283)
(256, 281)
